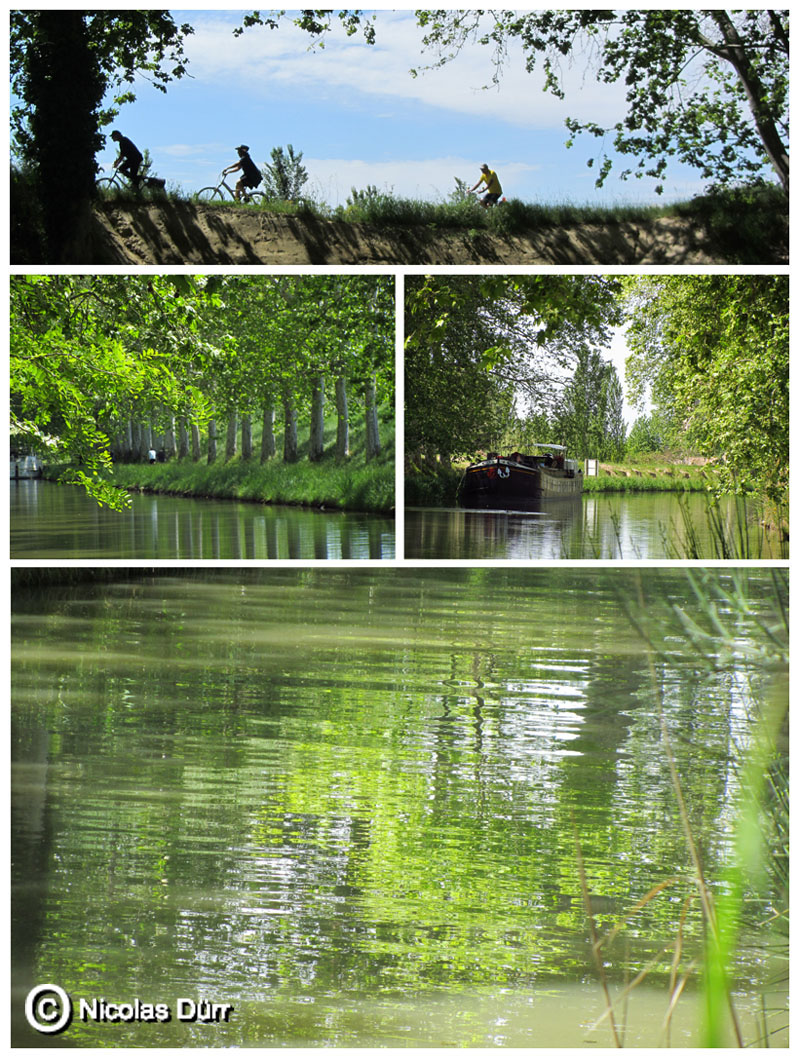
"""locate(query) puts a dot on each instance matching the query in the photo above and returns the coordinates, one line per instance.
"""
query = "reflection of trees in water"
(366, 780)
(188, 528)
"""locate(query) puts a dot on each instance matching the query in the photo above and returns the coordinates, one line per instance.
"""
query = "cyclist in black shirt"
(250, 178)
(130, 157)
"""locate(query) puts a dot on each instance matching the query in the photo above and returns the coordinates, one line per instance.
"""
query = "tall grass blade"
(596, 944)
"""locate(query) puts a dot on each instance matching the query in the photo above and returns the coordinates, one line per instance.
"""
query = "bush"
(747, 225)
(433, 486)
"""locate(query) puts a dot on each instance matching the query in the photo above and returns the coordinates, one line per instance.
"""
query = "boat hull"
(503, 485)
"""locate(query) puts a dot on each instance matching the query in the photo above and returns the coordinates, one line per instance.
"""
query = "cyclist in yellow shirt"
(493, 189)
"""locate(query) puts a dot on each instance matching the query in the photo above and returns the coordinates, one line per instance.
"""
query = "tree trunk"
(145, 441)
(116, 445)
(183, 440)
(247, 437)
(316, 441)
(127, 445)
(212, 440)
(413, 457)
(289, 431)
(734, 51)
(230, 439)
(342, 420)
(65, 89)
(371, 414)
(170, 448)
(136, 439)
(197, 448)
(268, 446)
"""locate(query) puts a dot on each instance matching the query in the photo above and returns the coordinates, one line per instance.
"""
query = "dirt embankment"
(197, 234)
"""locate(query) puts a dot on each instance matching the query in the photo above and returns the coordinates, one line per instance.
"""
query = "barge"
(517, 482)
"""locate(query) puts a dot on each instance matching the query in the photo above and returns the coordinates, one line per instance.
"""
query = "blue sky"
(360, 118)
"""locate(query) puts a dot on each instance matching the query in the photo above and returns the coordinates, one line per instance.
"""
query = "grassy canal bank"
(351, 487)
(347, 487)
(648, 477)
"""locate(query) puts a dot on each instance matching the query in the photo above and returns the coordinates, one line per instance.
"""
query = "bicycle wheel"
(256, 198)
(106, 183)
(209, 195)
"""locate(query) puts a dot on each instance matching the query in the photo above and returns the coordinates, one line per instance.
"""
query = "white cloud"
(274, 61)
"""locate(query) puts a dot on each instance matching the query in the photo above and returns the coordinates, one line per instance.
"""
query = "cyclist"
(250, 177)
(493, 189)
(130, 157)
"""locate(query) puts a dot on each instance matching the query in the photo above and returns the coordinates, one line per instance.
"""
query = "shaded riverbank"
(181, 232)
(194, 233)
(748, 225)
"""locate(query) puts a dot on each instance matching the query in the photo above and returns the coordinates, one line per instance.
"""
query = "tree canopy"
(713, 353)
(474, 345)
(588, 417)
(88, 354)
(120, 45)
(708, 87)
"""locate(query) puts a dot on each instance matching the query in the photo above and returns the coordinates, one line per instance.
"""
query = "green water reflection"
(602, 526)
(346, 802)
(56, 521)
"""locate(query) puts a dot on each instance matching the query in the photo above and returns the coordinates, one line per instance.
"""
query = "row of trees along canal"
(109, 367)
(497, 362)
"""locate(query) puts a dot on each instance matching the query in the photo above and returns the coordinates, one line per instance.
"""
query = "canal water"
(366, 808)
(594, 526)
(57, 521)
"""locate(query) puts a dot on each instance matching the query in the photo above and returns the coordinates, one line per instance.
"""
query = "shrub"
(286, 176)
(747, 225)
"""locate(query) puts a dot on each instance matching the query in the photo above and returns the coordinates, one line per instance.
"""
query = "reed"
(742, 536)
(711, 626)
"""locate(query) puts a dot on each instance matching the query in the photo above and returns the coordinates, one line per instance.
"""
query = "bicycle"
(478, 200)
(216, 194)
(116, 180)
